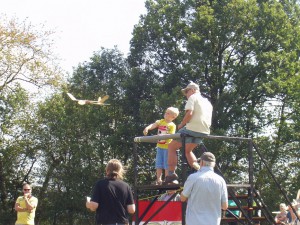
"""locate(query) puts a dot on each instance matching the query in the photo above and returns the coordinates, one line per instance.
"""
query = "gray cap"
(208, 157)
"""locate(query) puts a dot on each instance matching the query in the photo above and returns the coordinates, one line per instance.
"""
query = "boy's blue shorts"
(161, 158)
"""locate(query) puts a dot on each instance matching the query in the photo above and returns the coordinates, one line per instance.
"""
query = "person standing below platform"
(112, 198)
(206, 194)
(26, 206)
(195, 123)
(281, 217)
(169, 193)
(164, 126)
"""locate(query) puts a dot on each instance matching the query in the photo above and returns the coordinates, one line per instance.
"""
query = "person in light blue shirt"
(205, 193)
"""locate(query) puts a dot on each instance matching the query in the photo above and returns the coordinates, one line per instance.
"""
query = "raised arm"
(150, 127)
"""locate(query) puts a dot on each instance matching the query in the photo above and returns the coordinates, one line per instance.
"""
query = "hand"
(180, 126)
(26, 195)
(24, 210)
(145, 131)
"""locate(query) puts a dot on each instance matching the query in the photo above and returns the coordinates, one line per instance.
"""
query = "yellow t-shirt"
(26, 217)
(165, 128)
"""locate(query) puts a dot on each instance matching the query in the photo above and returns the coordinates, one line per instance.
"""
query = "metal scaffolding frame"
(184, 166)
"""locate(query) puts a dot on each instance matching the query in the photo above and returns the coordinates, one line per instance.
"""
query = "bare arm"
(187, 117)
(224, 205)
(131, 208)
(18, 208)
(91, 205)
(150, 127)
(29, 205)
(183, 198)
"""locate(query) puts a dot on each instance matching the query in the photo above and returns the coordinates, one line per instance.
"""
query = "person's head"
(171, 113)
(190, 89)
(207, 159)
(282, 207)
(114, 169)
(170, 192)
(26, 189)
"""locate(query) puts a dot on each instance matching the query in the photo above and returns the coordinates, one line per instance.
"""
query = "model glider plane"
(85, 102)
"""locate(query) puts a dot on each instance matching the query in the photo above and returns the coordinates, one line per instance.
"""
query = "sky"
(81, 27)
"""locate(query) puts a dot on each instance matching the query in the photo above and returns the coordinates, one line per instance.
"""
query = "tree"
(26, 58)
(26, 55)
(17, 150)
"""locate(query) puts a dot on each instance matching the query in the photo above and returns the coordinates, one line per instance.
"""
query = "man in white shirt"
(195, 123)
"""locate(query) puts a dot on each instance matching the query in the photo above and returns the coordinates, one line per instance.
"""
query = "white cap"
(191, 85)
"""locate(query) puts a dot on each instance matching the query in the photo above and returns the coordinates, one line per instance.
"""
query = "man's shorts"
(192, 136)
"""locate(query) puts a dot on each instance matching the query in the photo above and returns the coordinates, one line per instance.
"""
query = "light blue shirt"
(206, 191)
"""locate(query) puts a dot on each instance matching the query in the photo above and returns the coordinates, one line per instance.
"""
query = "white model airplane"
(85, 102)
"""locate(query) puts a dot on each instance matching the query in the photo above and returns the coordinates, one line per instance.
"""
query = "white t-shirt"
(202, 113)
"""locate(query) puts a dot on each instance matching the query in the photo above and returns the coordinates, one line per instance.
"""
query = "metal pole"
(155, 138)
(250, 190)
(184, 176)
(136, 195)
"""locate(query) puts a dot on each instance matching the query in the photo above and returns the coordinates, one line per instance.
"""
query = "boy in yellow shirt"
(164, 126)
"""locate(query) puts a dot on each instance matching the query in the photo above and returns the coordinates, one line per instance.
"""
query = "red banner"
(171, 212)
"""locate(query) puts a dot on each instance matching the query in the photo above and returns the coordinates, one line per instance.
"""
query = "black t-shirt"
(113, 196)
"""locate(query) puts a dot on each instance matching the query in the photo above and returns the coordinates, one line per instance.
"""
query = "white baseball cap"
(191, 85)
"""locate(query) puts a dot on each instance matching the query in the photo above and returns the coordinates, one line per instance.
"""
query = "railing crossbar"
(155, 138)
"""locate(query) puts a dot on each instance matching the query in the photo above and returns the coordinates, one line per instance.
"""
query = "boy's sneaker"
(175, 182)
(171, 179)
(156, 182)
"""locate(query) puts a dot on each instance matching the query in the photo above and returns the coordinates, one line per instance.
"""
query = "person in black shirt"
(112, 198)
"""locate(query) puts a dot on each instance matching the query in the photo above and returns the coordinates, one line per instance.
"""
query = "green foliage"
(17, 151)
